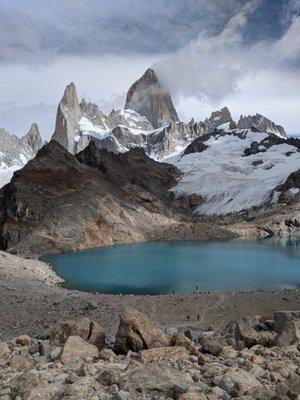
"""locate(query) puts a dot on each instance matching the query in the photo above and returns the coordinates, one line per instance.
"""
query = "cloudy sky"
(209, 53)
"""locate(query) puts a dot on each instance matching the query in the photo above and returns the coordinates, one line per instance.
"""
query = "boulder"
(23, 340)
(180, 339)
(192, 395)
(238, 379)
(89, 331)
(20, 363)
(137, 332)
(146, 356)
(23, 384)
(4, 350)
(289, 334)
(289, 388)
(281, 318)
(108, 378)
(108, 355)
(212, 346)
(155, 377)
(76, 349)
(244, 333)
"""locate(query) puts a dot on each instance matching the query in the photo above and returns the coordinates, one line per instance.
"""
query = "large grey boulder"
(137, 332)
(289, 334)
(281, 318)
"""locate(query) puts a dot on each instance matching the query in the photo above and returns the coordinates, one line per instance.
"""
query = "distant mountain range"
(240, 171)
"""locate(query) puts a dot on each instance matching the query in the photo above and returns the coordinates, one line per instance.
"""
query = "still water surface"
(164, 267)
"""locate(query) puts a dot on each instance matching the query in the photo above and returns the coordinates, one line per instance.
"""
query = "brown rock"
(180, 339)
(228, 352)
(146, 356)
(212, 346)
(88, 330)
(192, 395)
(23, 340)
(23, 384)
(108, 355)
(155, 377)
(20, 363)
(244, 332)
(238, 378)
(137, 332)
(76, 348)
(257, 359)
(4, 349)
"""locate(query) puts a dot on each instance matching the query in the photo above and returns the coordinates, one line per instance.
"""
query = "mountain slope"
(58, 202)
(233, 169)
(15, 152)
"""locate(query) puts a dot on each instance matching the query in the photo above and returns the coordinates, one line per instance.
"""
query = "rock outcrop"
(261, 123)
(67, 119)
(219, 117)
(33, 138)
(137, 332)
(15, 152)
(150, 99)
(111, 198)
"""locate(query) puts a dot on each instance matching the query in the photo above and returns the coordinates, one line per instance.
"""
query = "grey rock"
(55, 353)
(67, 119)
(219, 117)
(281, 318)
(150, 99)
(261, 123)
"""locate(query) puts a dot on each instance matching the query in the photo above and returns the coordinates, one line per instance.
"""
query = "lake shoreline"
(32, 301)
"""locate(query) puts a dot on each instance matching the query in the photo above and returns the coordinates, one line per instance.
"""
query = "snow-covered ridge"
(16, 152)
(227, 179)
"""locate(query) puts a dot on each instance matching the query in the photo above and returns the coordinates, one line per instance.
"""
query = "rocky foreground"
(254, 358)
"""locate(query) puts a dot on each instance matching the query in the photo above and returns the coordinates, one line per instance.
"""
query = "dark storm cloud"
(38, 31)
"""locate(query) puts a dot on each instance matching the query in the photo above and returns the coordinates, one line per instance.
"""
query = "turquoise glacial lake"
(182, 267)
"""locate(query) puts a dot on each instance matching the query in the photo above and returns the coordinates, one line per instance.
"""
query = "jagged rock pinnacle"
(147, 97)
(67, 119)
(33, 137)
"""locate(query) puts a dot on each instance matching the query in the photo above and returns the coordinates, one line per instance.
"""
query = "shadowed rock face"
(59, 202)
(147, 97)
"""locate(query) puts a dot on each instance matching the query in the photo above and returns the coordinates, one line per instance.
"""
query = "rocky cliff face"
(261, 123)
(67, 119)
(149, 121)
(218, 118)
(148, 98)
(59, 202)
